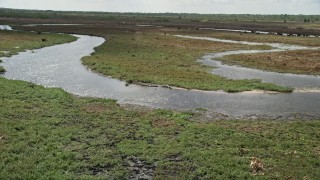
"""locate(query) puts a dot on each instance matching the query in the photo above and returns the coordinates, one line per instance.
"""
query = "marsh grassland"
(13, 42)
(47, 133)
(167, 60)
(285, 62)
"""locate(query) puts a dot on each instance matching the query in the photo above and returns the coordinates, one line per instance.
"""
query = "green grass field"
(48, 133)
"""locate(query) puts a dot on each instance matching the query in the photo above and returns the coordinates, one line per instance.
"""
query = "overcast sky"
(184, 6)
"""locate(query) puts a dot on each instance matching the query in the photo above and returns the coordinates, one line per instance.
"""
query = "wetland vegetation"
(49, 133)
(13, 42)
(2, 70)
(285, 62)
(166, 60)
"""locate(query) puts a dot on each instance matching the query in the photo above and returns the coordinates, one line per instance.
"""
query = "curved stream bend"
(60, 66)
(237, 72)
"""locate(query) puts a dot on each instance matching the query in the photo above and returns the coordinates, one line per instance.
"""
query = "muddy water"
(60, 66)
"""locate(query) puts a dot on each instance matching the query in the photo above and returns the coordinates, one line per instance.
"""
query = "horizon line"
(137, 12)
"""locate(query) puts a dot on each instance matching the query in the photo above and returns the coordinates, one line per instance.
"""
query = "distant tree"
(285, 21)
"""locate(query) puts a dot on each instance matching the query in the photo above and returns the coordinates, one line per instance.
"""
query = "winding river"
(60, 66)
(237, 72)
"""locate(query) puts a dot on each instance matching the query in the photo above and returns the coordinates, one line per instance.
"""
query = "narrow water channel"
(237, 72)
(60, 66)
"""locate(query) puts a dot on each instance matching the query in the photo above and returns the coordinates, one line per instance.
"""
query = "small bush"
(2, 70)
